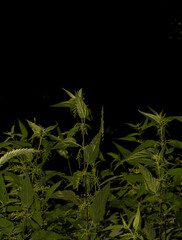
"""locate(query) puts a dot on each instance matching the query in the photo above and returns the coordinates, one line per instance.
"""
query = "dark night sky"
(122, 56)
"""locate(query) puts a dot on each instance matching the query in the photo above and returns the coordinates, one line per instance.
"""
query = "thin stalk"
(69, 165)
(159, 177)
(160, 201)
(162, 157)
(85, 177)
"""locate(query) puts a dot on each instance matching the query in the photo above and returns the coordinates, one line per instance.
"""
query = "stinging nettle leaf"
(156, 118)
(69, 93)
(50, 128)
(124, 152)
(37, 130)
(176, 173)
(51, 191)
(82, 109)
(175, 143)
(70, 142)
(144, 145)
(149, 231)
(46, 235)
(144, 156)
(76, 104)
(92, 150)
(178, 118)
(152, 184)
(23, 129)
(98, 207)
(131, 137)
(66, 195)
(68, 104)
(137, 220)
(3, 193)
(26, 192)
(6, 227)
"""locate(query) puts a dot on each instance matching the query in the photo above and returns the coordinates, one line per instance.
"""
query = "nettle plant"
(47, 204)
(132, 192)
(151, 182)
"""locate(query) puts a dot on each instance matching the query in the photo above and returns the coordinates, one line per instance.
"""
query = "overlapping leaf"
(98, 207)
(26, 192)
(76, 104)
(151, 183)
(92, 150)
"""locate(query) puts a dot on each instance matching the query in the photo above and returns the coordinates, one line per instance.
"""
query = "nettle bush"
(133, 192)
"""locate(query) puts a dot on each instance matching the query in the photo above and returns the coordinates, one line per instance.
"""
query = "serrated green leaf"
(115, 230)
(66, 195)
(155, 117)
(23, 129)
(6, 227)
(71, 142)
(137, 220)
(69, 93)
(50, 128)
(3, 193)
(145, 125)
(19, 144)
(113, 155)
(68, 104)
(149, 231)
(26, 192)
(13, 178)
(177, 175)
(46, 235)
(131, 137)
(4, 144)
(92, 150)
(144, 145)
(175, 171)
(37, 130)
(152, 184)
(51, 191)
(71, 103)
(124, 152)
(82, 109)
(73, 130)
(132, 178)
(37, 216)
(144, 157)
(178, 118)
(98, 207)
(175, 143)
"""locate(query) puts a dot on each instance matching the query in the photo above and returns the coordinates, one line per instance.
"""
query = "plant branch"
(85, 175)
(162, 138)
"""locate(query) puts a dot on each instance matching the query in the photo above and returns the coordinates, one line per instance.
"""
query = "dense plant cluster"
(130, 193)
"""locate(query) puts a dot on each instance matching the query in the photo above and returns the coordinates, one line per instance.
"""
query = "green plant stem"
(162, 158)
(69, 165)
(160, 199)
(85, 177)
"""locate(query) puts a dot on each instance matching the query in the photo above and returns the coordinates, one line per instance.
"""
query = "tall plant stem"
(69, 165)
(160, 206)
(85, 176)
(162, 130)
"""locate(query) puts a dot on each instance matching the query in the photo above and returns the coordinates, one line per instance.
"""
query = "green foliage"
(92, 149)
(98, 206)
(151, 183)
(131, 192)
(76, 104)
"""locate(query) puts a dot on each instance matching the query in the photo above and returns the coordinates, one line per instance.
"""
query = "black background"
(120, 54)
